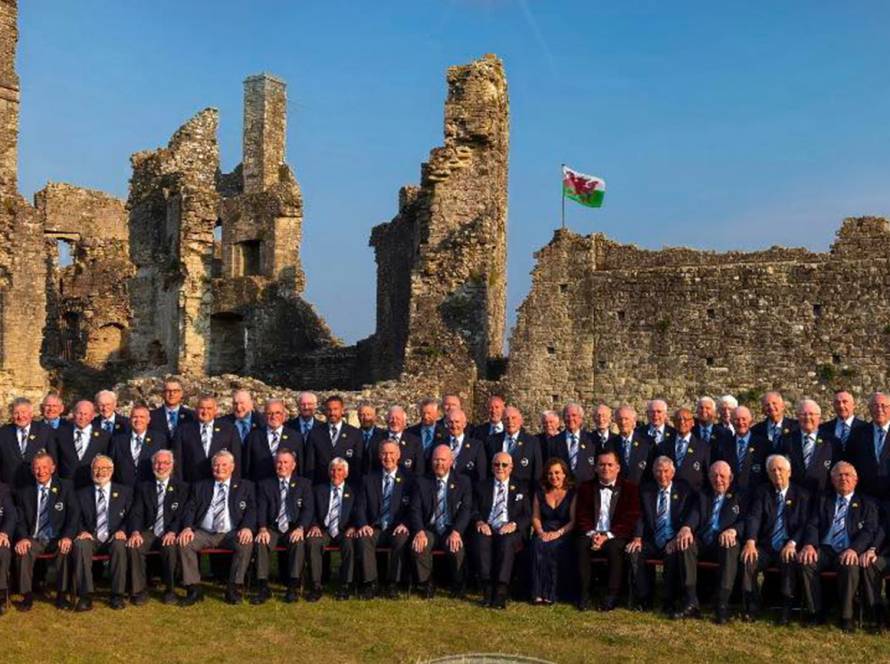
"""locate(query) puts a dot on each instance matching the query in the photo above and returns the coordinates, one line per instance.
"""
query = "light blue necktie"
(715, 517)
(441, 507)
(840, 540)
(741, 450)
(663, 520)
(682, 447)
(809, 447)
(779, 535)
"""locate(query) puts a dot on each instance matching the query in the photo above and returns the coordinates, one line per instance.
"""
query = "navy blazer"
(121, 424)
(471, 461)
(157, 420)
(642, 454)
(242, 504)
(192, 464)
(816, 478)
(861, 521)
(874, 473)
(64, 512)
(127, 471)
(719, 434)
(68, 466)
(370, 510)
(145, 506)
(320, 453)
(8, 512)
(482, 431)
(761, 429)
(300, 503)
(294, 423)
(761, 517)
(120, 500)
(440, 436)
(459, 497)
(15, 469)
(257, 420)
(752, 470)
(684, 510)
(669, 432)
(518, 504)
(348, 504)
(259, 462)
(411, 456)
(526, 458)
(732, 513)
(827, 429)
(694, 469)
(585, 468)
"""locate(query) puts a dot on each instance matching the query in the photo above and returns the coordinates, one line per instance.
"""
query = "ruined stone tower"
(441, 262)
(22, 259)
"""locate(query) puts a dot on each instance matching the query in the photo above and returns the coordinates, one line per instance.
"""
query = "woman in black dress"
(553, 517)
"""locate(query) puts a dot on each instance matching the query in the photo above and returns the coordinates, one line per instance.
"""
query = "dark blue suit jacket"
(119, 504)
(64, 512)
(459, 497)
(15, 469)
(145, 506)
(242, 504)
(128, 472)
(761, 518)
(300, 503)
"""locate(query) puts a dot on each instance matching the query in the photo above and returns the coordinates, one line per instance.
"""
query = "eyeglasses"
(497, 464)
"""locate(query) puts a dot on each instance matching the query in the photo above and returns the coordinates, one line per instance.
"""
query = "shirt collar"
(209, 424)
(228, 483)
(104, 489)
(87, 430)
(392, 474)
(686, 439)
(163, 482)
(276, 430)
(175, 409)
(48, 485)
(284, 479)
(444, 479)
(337, 488)
(668, 488)
(883, 428)
(846, 498)
(848, 421)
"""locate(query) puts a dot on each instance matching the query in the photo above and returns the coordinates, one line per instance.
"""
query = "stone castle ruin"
(199, 273)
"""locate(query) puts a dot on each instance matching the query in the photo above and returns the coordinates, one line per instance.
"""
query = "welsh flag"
(584, 189)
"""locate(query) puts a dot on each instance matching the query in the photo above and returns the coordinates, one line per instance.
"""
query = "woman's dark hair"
(556, 461)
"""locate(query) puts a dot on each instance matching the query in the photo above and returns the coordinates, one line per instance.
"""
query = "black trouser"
(5, 560)
(679, 568)
(368, 551)
(137, 556)
(847, 581)
(85, 549)
(727, 559)
(423, 561)
(768, 557)
(612, 551)
(296, 555)
(495, 555)
(316, 547)
(873, 581)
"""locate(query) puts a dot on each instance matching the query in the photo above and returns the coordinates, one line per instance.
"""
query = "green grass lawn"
(407, 630)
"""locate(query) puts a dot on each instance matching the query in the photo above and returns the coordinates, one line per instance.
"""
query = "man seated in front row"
(104, 508)
(669, 516)
(502, 518)
(47, 523)
(333, 525)
(284, 514)
(8, 516)
(441, 507)
(382, 519)
(155, 521)
(220, 513)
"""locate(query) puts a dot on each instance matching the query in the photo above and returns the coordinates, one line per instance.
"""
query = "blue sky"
(716, 125)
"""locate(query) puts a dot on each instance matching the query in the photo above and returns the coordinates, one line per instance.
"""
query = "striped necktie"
(626, 445)
(573, 450)
(809, 447)
(283, 520)
(243, 429)
(779, 535)
(108, 425)
(219, 509)
(499, 510)
(741, 450)
(78, 443)
(136, 447)
(879, 443)
(387, 502)
(839, 538)
(273, 442)
(662, 520)
(845, 432)
(681, 448)
(333, 519)
(101, 516)
(206, 438)
(44, 528)
(441, 515)
(715, 518)
(511, 444)
(455, 447)
(159, 515)
(23, 440)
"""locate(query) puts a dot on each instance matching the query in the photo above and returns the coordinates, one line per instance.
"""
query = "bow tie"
(610, 487)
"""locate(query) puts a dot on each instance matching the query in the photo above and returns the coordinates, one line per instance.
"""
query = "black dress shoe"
(688, 611)
(262, 596)
(487, 599)
(721, 616)
(457, 591)
(314, 594)
(785, 616)
(233, 596)
(83, 604)
(847, 626)
(139, 599)
(291, 595)
(428, 591)
(117, 603)
(193, 596)
(609, 603)
(62, 603)
(169, 597)
(342, 593)
(499, 601)
(391, 591)
(369, 590)
(582, 605)
(26, 603)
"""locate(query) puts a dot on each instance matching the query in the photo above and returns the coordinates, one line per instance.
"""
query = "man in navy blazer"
(441, 507)
(107, 418)
(468, 454)
(104, 509)
(244, 416)
(411, 457)
(706, 427)
(197, 442)
(382, 519)
(635, 450)
(668, 520)
(285, 507)
(334, 439)
(721, 529)
(522, 448)
(333, 524)
(495, 423)
(575, 445)
(774, 424)
(172, 413)
(844, 423)
(774, 531)
(75, 448)
(46, 522)
(154, 523)
(8, 517)
(266, 439)
(221, 512)
(501, 521)
(132, 450)
(305, 421)
(842, 526)
(869, 450)
(812, 455)
(430, 430)
(20, 440)
(657, 427)
(691, 456)
(744, 451)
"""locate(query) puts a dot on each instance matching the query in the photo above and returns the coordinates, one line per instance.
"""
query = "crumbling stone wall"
(22, 264)
(441, 261)
(613, 322)
(88, 312)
